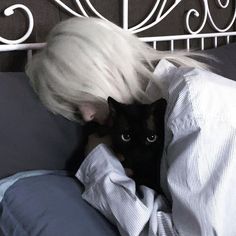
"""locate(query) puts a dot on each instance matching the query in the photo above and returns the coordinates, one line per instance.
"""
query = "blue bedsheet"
(9, 181)
(48, 203)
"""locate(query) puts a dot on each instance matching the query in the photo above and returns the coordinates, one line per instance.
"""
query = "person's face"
(92, 112)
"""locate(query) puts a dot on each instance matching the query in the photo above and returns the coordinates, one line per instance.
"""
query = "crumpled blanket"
(198, 164)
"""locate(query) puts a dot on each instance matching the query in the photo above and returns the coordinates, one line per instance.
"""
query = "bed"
(40, 152)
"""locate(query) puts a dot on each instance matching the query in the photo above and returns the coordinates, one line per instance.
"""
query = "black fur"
(141, 123)
(137, 132)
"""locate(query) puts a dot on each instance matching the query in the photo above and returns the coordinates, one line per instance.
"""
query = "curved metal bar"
(229, 25)
(142, 26)
(222, 5)
(207, 15)
(63, 5)
(161, 9)
(81, 8)
(160, 17)
(10, 11)
(147, 18)
(193, 12)
(94, 10)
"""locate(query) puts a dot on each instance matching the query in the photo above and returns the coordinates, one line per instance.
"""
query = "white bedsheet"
(198, 166)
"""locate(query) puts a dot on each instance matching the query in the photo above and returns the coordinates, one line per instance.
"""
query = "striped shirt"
(198, 170)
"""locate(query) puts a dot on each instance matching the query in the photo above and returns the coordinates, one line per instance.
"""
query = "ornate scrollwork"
(157, 13)
(207, 16)
(10, 11)
(142, 26)
(222, 5)
(82, 9)
(160, 15)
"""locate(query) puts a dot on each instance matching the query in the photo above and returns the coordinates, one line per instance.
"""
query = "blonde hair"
(88, 60)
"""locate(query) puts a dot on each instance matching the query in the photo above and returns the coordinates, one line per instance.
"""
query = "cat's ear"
(159, 107)
(113, 106)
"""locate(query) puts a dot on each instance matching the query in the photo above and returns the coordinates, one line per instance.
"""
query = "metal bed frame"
(157, 11)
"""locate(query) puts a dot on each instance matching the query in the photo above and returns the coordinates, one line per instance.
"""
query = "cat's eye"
(125, 137)
(152, 138)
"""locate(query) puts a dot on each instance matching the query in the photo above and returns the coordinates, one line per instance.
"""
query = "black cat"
(137, 134)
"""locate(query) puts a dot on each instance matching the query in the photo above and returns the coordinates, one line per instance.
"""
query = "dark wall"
(47, 13)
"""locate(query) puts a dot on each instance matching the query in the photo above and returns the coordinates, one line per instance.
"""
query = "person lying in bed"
(88, 60)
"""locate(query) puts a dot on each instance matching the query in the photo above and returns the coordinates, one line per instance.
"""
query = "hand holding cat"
(95, 140)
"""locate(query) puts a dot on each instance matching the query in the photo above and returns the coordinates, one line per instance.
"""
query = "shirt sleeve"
(200, 152)
(109, 190)
(198, 166)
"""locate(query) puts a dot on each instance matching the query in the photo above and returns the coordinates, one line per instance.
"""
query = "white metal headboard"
(157, 11)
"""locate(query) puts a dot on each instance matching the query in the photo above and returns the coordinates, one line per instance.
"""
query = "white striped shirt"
(198, 166)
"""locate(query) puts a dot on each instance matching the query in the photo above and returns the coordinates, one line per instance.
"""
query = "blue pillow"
(32, 137)
(226, 60)
(50, 205)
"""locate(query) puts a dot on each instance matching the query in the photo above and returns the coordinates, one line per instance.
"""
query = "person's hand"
(129, 172)
(95, 140)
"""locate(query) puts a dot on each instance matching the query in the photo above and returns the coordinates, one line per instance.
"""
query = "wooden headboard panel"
(47, 13)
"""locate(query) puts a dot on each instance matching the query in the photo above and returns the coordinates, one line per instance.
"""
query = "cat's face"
(138, 134)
